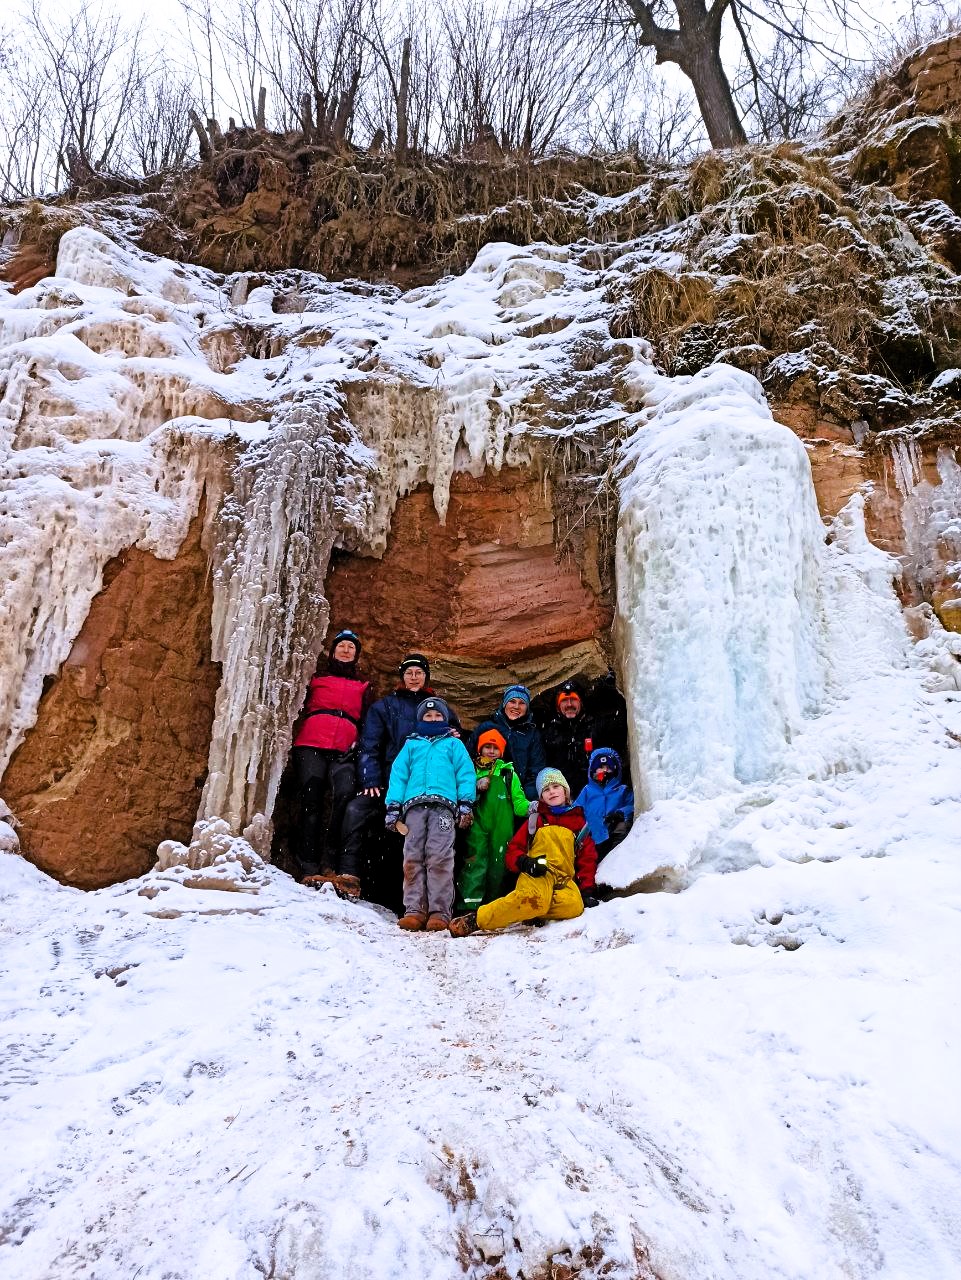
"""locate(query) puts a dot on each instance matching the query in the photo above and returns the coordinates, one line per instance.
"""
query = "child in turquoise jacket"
(432, 786)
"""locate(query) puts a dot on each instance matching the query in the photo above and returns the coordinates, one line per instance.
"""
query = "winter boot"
(436, 922)
(413, 920)
(318, 882)
(347, 887)
(463, 926)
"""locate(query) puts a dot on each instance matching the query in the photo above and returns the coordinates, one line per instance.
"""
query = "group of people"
(502, 824)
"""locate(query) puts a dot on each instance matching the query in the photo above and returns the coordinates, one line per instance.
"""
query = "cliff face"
(438, 467)
(118, 755)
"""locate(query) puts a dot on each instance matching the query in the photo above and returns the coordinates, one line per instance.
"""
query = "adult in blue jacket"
(386, 727)
(525, 746)
(607, 803)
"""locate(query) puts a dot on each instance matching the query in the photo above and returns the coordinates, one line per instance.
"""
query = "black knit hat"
(347, 634)
(415, 660)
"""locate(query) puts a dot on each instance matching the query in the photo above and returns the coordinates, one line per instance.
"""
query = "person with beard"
(324, 752)
(386, 727)
(569, 735)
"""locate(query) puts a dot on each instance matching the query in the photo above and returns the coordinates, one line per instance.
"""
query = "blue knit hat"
(347, 634)
(516, 691)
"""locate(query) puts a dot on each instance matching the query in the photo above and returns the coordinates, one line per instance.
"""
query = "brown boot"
(318, 882)
(413, 920)
(464, 926)
(347, 887)
(436, 922)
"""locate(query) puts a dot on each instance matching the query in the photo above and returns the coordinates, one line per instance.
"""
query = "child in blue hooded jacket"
(607, 803)
(432, 786)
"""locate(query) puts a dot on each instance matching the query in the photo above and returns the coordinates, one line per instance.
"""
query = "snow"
(751, 1076)
(754, 1077)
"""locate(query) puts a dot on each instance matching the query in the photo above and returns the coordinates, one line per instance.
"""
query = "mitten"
(392, 817)
(465, 815)
(589, 900)
(531, 866)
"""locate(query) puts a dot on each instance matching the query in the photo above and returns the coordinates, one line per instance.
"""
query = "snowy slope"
(756, 1077)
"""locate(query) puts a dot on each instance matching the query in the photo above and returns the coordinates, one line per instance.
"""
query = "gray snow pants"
(429, 861)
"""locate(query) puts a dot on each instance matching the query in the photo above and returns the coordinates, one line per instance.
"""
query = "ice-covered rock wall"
(719, 585)
(129, 386)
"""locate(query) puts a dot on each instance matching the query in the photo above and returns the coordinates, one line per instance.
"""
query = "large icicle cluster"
(306, 487)
(718, 569)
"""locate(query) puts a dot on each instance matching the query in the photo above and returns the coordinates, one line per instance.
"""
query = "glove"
(483, 784)
(465, 816)
(611, 820)
(392, 817)
(589, 900)
(531, 866)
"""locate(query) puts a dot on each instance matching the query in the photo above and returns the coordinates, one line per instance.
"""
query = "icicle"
(296, 494)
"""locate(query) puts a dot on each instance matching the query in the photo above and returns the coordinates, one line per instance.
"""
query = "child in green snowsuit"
(500, 802)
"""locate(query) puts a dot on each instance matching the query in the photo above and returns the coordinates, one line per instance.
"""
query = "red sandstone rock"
(118, 755)
(483, 595)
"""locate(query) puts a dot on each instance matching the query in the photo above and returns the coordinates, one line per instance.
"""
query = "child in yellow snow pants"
(549, 894)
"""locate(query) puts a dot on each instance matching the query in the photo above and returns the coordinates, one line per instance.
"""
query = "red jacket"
(331, 716)
(585, 856)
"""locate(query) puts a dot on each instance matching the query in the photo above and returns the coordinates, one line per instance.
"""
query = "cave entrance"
(485, 596)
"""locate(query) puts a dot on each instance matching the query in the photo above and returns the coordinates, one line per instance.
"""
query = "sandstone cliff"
(435, 465)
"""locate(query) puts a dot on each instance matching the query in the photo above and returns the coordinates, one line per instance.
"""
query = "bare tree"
(94, 65)
(689, 33)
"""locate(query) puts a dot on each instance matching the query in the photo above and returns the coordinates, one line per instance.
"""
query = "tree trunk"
(261, 119)
(203, 138)
(306, 117)
(403, 94)
(714, 97)
(695, 46)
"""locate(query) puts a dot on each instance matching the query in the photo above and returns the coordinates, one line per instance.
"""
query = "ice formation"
(130, 386)
(719, 586)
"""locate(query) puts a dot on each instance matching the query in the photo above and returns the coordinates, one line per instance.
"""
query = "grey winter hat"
(433, 704)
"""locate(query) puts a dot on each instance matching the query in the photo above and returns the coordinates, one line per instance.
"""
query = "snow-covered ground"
(755, 1077)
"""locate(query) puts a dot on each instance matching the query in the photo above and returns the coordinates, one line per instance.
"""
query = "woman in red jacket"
(325, 740)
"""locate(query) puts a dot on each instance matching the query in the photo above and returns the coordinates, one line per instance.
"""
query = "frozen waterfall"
(718, 568)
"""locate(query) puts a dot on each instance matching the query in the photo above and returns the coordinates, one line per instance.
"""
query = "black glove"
(611, 820)
(531, 866)
(589, 900)
(392, 817)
